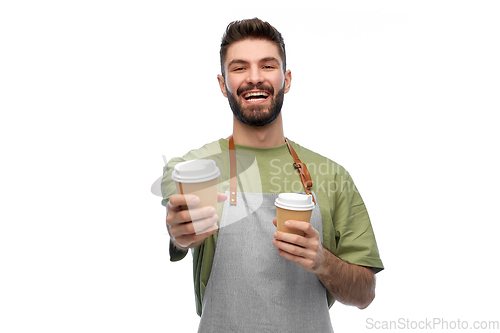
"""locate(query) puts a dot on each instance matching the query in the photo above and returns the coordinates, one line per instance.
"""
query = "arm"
(349, 284)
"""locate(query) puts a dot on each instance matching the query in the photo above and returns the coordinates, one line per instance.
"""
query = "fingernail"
(287, 223)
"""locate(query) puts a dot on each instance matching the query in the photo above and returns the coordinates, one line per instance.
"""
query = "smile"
(256, 96)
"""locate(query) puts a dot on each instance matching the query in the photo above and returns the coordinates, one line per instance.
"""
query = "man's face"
(254, 82)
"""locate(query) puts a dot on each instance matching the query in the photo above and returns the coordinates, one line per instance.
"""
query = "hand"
(306, 250)
(189, 228)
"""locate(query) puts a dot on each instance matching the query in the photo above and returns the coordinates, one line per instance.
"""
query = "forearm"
(347, 283)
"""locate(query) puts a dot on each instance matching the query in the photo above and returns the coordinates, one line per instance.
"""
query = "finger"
(221, 197)
(177, 200)
(275, 221)
(184, 216)
(296, 240)
(292, 248)
(187, 240)
(306, 227)
(194, 214)
(304, 262)
(206, 225)
(197, 227)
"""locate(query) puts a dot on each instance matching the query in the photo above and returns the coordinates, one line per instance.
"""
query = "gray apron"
(251, 287)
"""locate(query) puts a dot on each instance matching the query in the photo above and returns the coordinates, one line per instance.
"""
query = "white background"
(92, 93)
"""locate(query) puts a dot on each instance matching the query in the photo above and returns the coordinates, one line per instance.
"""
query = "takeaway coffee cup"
(293, 206)
(198, 177)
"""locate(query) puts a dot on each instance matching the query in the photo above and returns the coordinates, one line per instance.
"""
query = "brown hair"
(251, 28)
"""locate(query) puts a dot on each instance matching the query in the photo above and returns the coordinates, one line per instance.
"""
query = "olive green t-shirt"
(347, 230)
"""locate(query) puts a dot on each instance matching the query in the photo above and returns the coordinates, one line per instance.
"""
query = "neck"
(270, 135)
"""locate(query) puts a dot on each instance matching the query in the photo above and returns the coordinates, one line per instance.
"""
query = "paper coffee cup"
(293, 206)
(199, 177)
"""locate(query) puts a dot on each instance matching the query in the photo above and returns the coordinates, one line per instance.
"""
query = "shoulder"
(210, 150)
(205, 151)
(317, 163)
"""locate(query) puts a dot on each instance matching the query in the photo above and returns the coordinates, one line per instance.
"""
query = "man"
(249, 277)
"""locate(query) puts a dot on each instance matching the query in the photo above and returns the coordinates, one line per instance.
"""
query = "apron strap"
(301, 168)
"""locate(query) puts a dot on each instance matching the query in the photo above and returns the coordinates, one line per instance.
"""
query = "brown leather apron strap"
(301, 168)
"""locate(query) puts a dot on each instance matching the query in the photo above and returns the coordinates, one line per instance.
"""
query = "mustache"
(256, 87)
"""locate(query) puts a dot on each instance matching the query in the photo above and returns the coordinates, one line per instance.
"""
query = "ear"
(288, 80)
(222, 85)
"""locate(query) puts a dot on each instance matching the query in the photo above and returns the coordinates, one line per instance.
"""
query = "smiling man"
(248, 276)
(251, 81)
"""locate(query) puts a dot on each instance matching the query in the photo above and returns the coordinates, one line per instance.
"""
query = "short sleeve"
(354, 234)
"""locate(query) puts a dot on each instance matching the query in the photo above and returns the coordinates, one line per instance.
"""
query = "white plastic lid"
(195, 171)
(294, 201)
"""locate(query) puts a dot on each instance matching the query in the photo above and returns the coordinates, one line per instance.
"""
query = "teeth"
(251, 94)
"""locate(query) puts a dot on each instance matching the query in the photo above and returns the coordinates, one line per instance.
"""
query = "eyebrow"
(237, 61)
(240, 61)
(268, 59)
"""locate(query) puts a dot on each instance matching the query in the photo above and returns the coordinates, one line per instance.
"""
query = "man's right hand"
(189, 228)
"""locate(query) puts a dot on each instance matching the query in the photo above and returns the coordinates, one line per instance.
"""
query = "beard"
(256, 115)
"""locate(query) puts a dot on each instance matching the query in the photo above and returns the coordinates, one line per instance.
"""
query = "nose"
(254, 75)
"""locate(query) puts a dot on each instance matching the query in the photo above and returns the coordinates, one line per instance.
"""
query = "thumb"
(221, 197)
(275, 221)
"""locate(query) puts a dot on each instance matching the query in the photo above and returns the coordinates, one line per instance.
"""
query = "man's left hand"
(305, 250)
